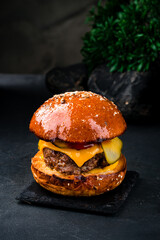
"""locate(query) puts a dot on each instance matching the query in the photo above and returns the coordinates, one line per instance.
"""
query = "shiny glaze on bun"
(77, 117)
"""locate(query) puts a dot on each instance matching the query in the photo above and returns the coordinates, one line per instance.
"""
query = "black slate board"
(107, 203)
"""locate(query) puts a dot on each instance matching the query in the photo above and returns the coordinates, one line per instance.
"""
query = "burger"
(79, 149)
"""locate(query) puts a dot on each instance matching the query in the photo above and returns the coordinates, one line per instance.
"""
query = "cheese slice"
(78, 156)
(107, 169)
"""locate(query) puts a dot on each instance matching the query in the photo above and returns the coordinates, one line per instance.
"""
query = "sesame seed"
(99, 178)
(115, 113)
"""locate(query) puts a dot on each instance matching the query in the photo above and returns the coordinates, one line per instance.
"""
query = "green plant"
(124, 34)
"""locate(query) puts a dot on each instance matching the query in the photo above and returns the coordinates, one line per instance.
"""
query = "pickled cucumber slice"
(112, 149)
(60, 144)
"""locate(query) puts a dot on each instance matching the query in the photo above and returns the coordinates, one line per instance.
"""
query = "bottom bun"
(94, 182)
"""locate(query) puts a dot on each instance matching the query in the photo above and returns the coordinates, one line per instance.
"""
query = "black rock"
(69, 78)
(134, 93)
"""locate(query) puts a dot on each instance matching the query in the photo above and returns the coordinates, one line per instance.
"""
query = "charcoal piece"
(135, 93)
(107, 203)
(70, 78)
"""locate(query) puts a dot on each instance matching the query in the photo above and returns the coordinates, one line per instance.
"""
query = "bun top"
(79, 116)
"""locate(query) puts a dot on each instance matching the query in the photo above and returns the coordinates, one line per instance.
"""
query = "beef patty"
(64, 164)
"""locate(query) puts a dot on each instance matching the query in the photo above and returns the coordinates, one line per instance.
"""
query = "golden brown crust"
(89, 184)
(77, 117)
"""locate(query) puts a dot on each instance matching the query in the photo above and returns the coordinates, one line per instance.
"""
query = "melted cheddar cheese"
(78, 156)
(107, 169)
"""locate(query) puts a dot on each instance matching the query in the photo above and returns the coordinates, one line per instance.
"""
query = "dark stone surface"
(138, 219)
(107, 203)
(135, 93)
(69, 78)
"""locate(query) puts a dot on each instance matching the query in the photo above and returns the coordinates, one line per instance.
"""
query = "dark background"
(38, 35)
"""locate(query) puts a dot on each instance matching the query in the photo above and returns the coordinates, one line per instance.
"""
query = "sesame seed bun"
(77, 117)
(94, 182)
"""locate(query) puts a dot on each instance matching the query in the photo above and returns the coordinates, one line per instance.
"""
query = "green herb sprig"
(124, 34)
